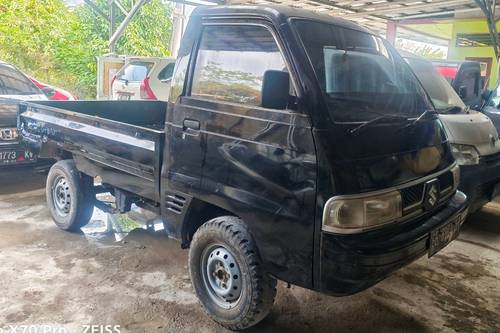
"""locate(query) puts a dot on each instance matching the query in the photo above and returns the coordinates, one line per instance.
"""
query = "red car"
(53, 93)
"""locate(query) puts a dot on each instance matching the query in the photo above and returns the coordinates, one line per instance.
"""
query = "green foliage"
(59, 46)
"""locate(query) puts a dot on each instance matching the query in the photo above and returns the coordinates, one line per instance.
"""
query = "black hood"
(385, 155)
(8, 112)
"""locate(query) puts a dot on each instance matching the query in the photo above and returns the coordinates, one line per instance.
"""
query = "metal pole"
(96, 9)
(111, 24)
(121, 7)
(391, 32)
(121, 28)
(488, 11)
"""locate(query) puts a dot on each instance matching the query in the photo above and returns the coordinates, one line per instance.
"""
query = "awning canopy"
(375, 14)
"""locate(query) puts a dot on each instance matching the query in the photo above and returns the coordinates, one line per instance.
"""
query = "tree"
(29, 30)
(54, 44)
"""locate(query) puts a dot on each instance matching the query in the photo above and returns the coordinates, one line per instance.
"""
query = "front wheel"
(227, 274)
(70, 196)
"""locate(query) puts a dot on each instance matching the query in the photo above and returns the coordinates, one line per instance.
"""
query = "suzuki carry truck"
(294, 146)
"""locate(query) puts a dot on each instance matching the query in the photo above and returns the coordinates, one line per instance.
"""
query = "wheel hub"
(222, 276)
(61, 196)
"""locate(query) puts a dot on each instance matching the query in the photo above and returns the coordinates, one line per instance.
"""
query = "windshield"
(12, 82)
(362, 77)
(443, 95)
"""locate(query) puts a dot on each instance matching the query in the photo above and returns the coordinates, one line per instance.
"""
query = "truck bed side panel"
(123, 155)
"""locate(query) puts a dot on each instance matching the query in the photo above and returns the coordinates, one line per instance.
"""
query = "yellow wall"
(459, 53)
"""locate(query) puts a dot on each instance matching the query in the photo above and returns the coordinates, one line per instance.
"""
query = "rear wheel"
(227, 274)
(69, 195)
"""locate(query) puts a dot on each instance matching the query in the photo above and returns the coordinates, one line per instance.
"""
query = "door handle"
(190, 127)
(191, 124)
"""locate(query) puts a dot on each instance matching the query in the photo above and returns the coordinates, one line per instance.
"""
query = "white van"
(472, 135)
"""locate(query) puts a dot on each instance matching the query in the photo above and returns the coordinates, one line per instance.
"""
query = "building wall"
(460, 53)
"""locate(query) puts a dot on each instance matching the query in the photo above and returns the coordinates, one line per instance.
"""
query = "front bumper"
(478, 181)
(352, 263)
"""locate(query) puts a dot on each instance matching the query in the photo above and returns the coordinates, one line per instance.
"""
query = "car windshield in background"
(12, 82)
(442, 94)
(361, 76)
(135, 71)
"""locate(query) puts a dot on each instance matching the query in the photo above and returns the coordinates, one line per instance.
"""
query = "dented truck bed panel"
(124, 155)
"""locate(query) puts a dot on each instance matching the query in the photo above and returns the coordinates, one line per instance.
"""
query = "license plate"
(11, 157)
(442, 236)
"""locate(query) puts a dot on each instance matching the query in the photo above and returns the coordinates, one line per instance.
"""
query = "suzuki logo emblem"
(431, 197)
(8, 134)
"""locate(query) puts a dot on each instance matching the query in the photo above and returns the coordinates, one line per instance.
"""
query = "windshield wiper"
(421, 118)
(387, 117)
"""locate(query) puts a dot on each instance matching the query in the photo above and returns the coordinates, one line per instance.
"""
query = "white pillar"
(177, 29)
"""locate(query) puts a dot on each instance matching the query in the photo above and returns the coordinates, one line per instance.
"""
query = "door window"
(231, 63)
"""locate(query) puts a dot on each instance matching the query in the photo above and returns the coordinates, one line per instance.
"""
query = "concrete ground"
(51, 277)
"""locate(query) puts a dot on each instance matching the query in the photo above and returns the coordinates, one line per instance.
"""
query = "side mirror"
(275, 90)
(49, 91)
(462, 92)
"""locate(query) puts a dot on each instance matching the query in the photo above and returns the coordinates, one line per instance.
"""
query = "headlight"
(465, 154)
(346, 215)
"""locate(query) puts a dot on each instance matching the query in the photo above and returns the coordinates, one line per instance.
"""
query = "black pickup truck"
(294, 146)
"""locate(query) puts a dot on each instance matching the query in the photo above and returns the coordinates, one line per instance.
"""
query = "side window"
(167, 72)
(231, 63)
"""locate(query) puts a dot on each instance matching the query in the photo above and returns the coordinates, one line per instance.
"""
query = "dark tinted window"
(231, 63)
(360, 74)
(167, 72)
(12, 82)
(135, 71)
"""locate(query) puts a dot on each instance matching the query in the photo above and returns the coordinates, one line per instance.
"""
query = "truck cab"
(294, 146)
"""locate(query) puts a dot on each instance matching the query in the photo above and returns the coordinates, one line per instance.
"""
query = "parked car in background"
(472, 135)
(14, 87)
(465, 78)
(143, 78)
(53, 93)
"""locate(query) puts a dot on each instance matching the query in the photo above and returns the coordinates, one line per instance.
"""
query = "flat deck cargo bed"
(126, 154)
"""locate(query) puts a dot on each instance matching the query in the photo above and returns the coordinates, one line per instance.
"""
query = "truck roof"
(277, 13)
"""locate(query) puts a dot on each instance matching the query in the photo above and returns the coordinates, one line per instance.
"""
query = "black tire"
(258, 289)
(78, 190)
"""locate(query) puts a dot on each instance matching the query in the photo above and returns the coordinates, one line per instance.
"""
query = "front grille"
(8, 134)
(413, 196)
